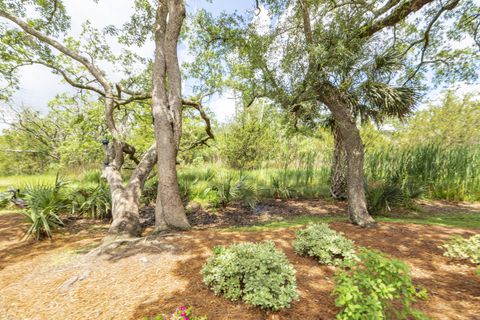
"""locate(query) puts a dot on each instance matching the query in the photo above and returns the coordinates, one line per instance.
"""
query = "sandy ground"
(58, 279)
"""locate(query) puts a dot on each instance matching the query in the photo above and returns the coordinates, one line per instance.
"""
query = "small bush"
(324, 244)
(93, 201)
(227, 189)
(45, 203)
(376, 288)
(382, 196)
(181, 313)
(460, 248)
(256, 273)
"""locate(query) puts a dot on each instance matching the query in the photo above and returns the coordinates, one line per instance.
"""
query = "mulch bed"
(132, 282)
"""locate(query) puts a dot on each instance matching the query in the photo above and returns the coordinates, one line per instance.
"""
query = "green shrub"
(227, 189)
(324, 244)
(382, 196)
(376, 288)
(181, 313)
(93, 201)
(460, 248)
(256, 273)
(45, 203)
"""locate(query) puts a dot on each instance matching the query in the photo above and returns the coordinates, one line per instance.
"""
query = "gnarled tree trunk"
(338, 174)
(167, 113)
(350, 135)
(126, 198)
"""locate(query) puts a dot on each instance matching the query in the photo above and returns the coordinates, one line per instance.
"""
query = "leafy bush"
(382, 196)
(324, 244)
(376, 288)
(228, 189)
(280, 188)
(93, 201)
(45, 203)
(460, 248)
(257, 273)
(181, 313)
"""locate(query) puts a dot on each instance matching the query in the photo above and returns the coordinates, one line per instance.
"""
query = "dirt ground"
(59, 279)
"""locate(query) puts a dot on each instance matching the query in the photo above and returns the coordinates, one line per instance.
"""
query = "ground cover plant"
(256, 273)
(466, 249)
(376, 288)
(325, 245)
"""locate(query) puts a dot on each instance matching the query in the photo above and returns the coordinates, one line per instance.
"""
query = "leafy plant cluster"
(325, 245)
(467, 249)
(368, 285)
(182, 313)
(376, 288)
(382, 196)
(256, 273)
(44, 204)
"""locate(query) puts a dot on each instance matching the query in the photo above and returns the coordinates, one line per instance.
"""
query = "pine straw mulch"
(62, 279)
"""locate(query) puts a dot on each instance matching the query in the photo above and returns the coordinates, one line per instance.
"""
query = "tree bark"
(167, 114)
(126, 198)
(350, 135)
(338, 174)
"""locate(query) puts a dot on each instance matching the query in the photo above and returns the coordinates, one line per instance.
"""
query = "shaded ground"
(58, 280)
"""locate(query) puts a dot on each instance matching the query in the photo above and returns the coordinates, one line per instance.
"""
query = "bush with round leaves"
(256, 273)
(324, 244)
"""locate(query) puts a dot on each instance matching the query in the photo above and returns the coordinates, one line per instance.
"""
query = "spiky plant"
(45, 203)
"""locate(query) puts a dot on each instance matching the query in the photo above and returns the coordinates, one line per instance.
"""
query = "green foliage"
(93, 201)
(325, 245)
(460, 248)
(382, 196)
(45, 203)
(444, 173)
(4, 199)
(249, 139)
(181, 313)
(228, 189)
(256, 273)
(376, 288)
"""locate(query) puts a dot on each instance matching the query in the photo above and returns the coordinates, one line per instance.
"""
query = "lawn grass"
(458, 220)
(21, 181)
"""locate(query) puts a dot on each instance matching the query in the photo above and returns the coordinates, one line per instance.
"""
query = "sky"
(38, 85)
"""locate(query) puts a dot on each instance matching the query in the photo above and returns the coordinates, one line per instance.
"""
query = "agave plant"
(45, 203)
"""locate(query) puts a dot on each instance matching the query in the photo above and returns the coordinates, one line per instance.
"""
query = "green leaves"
(376, 288)
(256, 273)
(467, 249)
(325, 245)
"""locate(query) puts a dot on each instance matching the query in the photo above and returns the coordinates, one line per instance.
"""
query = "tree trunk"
(338, 174)
(350, 135)
(167, 113)
(125, 214)
(126, 199)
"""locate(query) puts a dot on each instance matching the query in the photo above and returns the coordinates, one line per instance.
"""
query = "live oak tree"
(28, 38)
(353, 59)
